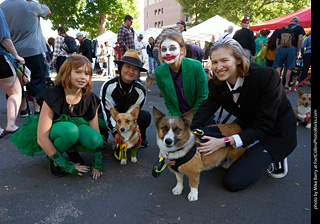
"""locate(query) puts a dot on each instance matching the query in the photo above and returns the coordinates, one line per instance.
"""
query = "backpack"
(287, 36)
(69, 45)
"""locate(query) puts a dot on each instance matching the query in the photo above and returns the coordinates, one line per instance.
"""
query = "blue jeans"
(287, 55)
(152, 64)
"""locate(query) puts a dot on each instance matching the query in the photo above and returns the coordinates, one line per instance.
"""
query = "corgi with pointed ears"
(177, 142)
(303, 109)
(130, 138)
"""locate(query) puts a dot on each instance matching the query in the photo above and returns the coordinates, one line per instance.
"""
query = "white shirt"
(235, 96)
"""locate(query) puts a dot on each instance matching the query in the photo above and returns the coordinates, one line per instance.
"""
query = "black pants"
(60, 61)
(144, 120)
(38, 74)
(248, 168)
(306, 66)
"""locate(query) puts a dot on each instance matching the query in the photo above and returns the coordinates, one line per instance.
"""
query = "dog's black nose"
(122, 129)
(306, 104)
(168, 141)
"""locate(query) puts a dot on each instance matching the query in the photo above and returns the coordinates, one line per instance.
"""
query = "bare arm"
(7, 43)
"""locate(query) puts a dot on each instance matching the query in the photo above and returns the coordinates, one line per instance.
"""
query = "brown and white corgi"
(130, 138)
(176, 141)
(303, 109)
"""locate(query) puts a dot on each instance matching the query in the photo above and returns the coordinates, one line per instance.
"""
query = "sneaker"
(278, 170)
(54, 170)
(75, 157)
(24, 113)
(144, 144)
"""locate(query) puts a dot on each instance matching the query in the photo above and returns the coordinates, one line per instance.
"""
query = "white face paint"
(170, 51)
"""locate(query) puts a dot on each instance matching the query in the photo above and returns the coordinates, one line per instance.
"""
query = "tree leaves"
(92, 16)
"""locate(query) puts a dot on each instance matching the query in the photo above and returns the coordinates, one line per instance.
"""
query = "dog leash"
(299, 84)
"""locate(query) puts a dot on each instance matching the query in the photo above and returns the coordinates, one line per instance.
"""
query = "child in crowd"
(68, 122)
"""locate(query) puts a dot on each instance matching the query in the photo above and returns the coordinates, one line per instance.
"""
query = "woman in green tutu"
(68, 122)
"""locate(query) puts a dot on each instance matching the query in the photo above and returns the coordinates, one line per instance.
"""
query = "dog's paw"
(177, 190)
(193, 195)
(134, 159)
(308, 126)
(123, 162)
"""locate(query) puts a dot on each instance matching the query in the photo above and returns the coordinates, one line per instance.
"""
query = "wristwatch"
(227, 141)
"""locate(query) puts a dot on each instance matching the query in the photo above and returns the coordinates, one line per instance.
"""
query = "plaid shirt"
(125, 38)
(58, 51)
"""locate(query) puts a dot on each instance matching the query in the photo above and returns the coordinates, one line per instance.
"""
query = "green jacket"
(194, 81)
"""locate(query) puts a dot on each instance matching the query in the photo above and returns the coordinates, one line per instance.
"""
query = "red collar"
(135, 146)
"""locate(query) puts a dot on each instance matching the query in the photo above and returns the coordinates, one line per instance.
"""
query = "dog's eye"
(303, 98)
(119, 121)
(164, 128)
(127, 121)
(177, 130)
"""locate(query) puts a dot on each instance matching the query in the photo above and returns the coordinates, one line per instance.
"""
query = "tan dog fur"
(198, 163)
(127, 128)
(303, 108)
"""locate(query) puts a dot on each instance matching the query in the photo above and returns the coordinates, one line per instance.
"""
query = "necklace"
(74, 101)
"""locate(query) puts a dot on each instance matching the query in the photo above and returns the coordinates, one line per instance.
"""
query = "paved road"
(129, 194)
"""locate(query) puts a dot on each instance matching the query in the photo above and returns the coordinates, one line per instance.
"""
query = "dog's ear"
(114, 113)
(157, 115)
(135, 112)
(187, 117)
(299, 93)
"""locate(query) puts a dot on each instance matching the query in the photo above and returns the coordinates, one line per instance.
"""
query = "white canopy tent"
(108, 35)
(213, 26)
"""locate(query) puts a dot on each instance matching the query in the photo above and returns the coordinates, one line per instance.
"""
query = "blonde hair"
(74, 62)
(173, 34)
(237, 53)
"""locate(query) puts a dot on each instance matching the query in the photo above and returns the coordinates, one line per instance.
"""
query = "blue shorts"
(287, 55)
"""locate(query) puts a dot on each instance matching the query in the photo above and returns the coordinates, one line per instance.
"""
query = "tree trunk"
(102, 24)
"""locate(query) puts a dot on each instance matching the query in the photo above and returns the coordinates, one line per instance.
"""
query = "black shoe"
(24, 113)
(54, 170)
(144, 144)
(75, 157)
(278, 170)
(159, 167)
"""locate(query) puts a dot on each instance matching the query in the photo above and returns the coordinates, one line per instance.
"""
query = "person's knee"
(144, 119)
(233, 185)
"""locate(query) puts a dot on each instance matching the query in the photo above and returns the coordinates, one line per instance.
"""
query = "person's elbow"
(49, 13)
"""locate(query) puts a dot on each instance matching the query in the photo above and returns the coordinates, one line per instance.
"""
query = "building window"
(148, 14)
(155, 12)
(147, 25)
(161, 10)
(155, 24)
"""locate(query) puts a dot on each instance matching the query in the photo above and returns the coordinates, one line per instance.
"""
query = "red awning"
(277, 23)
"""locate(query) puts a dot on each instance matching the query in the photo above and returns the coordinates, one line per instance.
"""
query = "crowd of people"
(68, 116)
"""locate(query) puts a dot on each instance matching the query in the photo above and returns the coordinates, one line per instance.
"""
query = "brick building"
(162, 13)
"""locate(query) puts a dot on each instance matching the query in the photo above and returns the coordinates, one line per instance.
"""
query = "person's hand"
(212, 145)
(81, 168)
(96, 173)
(116, 137)
(20, 59)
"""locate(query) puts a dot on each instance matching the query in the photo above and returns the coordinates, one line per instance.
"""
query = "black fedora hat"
(132, 57)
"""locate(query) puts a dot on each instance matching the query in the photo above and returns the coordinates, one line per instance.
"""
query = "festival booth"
(108, 35)
(204, 31)
(277, 23)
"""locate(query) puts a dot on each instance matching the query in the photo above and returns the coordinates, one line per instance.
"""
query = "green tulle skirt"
(26, 137)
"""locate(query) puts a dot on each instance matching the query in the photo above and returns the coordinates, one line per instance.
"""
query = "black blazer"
(264, 110)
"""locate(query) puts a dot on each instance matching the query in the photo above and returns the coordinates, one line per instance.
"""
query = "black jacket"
(124, 100)
(264, 109)
(245, 37)
(86, 48)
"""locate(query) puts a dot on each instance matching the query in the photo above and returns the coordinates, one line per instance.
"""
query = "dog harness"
(185, 159)
(122, 147)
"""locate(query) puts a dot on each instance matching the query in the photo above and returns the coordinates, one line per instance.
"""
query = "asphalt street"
(130, 194)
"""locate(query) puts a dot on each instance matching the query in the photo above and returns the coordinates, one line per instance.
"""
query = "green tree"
(235, 10)
(92, 16)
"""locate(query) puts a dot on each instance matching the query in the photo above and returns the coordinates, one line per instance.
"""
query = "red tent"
(277, 23)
